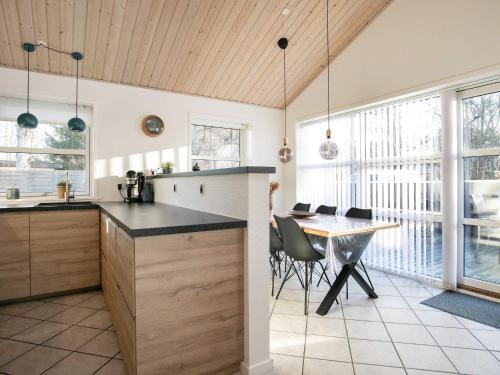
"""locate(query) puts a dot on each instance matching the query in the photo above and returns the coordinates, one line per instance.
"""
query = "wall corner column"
(449, 195)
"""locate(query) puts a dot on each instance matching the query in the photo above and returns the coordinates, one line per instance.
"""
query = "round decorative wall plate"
(152, 126)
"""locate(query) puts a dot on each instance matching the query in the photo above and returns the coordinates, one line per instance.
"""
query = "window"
(390, 161)
(480, 165)
(35, 160)
(215, 145)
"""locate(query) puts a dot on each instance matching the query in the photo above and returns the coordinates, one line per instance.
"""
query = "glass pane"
(215, 141)
(482, 187)
(226, 164)
(55, 136)
(481, 118)
(40, 173)
(482, 253)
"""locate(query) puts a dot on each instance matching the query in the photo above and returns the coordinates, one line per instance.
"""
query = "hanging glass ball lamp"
(27, 120)
(285, 153)
(328, 150)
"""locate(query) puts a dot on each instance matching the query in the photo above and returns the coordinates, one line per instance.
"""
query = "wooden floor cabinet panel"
(122, 319)
(123, 266)
(64, 248)
(14, 256)
(189, 303)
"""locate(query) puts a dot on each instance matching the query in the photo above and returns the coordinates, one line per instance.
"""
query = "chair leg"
(305, 294)
(347, 289)
(366, 273)
(292, 265)
(274, 267)
(284, 281)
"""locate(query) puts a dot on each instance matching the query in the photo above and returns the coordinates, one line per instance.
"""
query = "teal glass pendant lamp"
(285, 153)
(28, 120)
(328, 150)
(76, 124)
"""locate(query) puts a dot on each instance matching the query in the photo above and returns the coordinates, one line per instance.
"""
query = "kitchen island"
(173, 281)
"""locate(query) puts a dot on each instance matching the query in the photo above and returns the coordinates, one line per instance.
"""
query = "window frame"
(214, 122)
(464, 153)
(52, 151)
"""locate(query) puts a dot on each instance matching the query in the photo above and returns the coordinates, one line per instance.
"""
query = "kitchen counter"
(142, 219)
(219, 172)
(153, 219)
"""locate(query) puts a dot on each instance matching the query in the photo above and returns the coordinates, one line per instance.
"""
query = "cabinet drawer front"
(123, 267)
(14, 227)
(14, 270)
(64, 248)
(122, 319)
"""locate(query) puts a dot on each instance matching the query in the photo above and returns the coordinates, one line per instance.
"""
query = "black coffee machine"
(134, 185)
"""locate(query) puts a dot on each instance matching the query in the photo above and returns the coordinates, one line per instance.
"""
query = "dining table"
(336, 229)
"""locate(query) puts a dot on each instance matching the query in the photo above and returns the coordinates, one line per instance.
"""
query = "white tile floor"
(391, 335)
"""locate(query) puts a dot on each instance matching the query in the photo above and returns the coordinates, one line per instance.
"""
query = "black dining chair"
(359, 213)
(326, 210)
(302, 207)
(275, 247)
(301, 252)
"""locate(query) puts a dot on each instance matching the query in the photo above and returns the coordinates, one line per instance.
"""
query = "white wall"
(412, 45)
(118, 141)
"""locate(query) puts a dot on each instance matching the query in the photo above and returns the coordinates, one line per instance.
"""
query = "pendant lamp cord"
(76, 101)
(28, 101)
(284, 74)
(328, 63)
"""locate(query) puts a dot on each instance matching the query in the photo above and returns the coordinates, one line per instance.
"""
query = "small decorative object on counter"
(61, 189)
(12, 193)
(168, 167)
(196, 167)
(273, 186)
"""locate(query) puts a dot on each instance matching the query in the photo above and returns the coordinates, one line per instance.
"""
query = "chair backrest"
(302, 207)
(359, 213)
(327, 210)
(275, 243)
(295, 242)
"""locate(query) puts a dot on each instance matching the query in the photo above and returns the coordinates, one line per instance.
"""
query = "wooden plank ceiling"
(217, 48)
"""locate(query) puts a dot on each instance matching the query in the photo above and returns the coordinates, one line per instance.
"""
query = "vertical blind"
(390, 161)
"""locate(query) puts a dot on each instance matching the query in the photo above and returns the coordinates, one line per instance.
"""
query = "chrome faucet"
(67, 195)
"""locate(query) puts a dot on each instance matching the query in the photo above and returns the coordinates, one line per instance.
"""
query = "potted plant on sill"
(61, 189)
(167, 167)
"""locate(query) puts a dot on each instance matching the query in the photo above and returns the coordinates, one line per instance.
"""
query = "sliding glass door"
(479, 170)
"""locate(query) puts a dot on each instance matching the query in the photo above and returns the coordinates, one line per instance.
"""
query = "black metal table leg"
(334, 291)
(331, 296)
(362, 283)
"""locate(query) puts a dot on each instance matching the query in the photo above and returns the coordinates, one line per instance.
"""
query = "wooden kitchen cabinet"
(14, 256)
(64, 247)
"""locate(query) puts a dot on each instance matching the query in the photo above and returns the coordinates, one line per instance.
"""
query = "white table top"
(334, 226)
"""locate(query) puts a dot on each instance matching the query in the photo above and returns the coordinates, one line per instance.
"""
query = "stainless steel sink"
(59, 204)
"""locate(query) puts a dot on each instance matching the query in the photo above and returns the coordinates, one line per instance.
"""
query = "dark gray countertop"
(145, 219)
(153, 219)
(220, 171)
